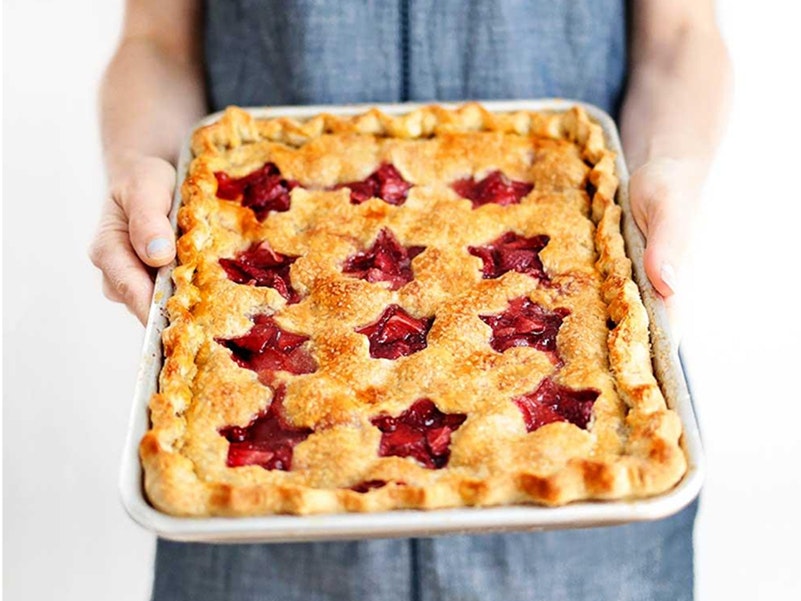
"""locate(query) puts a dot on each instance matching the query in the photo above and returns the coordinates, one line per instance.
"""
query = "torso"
(315, 52)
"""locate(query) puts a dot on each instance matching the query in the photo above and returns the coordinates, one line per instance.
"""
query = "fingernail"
(158, 247)
(668, 275)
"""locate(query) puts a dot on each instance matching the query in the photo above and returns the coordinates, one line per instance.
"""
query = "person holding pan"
(660, 68)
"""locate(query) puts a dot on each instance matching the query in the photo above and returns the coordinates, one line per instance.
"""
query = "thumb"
(664, 200)
(663, 204)
(666, 241)
(147, 203)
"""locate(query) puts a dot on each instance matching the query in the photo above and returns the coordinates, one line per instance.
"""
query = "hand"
(664, 197)
(134, 234)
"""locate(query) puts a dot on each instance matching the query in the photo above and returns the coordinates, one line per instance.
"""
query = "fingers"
(125, 279)
(134, 232)
(146, 198)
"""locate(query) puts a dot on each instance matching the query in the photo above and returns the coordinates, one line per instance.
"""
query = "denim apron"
(322, 51)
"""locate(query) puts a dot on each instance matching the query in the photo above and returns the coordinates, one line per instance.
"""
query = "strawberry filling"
(494, 188)
(367, 485)
(422, 432)
(512, 252)
(551, 402)
(267, 441)
(525, 323)
(262, 266)
(266, 349)
(385, 261)
(385, 183)
(263, 191)
(396, 334)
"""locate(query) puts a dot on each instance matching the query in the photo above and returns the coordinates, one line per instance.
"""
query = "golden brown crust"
(631, 447)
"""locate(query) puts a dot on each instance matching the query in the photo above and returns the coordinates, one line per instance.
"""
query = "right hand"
(134, 234)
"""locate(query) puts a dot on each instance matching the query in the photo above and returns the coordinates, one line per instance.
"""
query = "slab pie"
(380, 312)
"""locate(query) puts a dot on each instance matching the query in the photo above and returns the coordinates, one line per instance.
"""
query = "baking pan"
(407, 523)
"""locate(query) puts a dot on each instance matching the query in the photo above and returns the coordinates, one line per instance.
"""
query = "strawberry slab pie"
(426, 310)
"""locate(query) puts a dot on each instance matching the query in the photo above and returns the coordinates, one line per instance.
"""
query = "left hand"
(664, 194)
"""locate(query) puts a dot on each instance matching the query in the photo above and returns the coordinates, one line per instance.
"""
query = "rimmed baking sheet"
(407, 523)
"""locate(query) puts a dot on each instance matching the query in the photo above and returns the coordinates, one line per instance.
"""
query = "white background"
(70, 357)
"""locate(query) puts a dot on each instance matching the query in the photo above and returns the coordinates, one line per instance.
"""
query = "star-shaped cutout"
(512, 252)
(551, 402)
(385, 183)
(422, 432)
(266, 349)
(385, 261)
(494, 188)
(525, 323)
(260, 265)
(263, 191)
(268, 440)
(396, 334)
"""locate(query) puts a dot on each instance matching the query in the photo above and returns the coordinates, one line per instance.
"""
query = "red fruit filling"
(526, 323)
(396, 334)
(422, 432)
(551, 402)
(266, 349)
(268, 440)
(495, 188)
(260, 265)
(385, 261)
(367, 485)
(385, 183)
(263, 190)
(512, 252)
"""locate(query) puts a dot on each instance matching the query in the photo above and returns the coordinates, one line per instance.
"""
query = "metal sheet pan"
(407, 523)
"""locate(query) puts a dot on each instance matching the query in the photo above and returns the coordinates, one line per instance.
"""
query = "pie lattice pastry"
(418, 311)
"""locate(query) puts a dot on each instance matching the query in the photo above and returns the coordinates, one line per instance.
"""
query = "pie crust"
(341, 405)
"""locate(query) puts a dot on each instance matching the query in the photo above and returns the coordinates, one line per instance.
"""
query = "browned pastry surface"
(629, 449)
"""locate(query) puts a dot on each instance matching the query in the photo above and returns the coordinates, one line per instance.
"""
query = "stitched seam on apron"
(414, 561)
(405, 54)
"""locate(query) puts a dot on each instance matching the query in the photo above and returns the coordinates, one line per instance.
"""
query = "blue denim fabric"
(275, 52)
(320, 51)
(650, 561)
